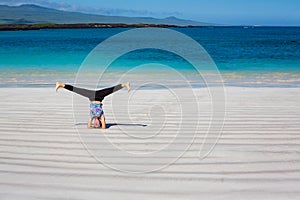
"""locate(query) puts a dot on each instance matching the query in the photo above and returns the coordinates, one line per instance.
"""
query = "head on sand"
(97, 123)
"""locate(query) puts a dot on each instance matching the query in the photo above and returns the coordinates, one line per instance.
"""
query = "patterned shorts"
(95, 110)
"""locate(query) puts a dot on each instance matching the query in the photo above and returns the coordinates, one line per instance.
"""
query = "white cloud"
(85, 9)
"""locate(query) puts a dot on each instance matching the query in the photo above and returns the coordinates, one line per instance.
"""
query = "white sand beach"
(43, 157)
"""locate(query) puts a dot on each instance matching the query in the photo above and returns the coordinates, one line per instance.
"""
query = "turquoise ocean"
(245, 56)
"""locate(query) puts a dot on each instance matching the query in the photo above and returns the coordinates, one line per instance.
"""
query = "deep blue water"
(260, 53)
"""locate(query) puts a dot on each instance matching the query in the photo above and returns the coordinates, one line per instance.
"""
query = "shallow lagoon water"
(259, 56)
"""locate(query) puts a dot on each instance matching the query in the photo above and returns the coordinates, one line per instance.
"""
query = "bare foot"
(58, 85)
(127, 85)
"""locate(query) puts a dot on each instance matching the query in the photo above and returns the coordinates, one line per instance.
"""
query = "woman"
(96, 97)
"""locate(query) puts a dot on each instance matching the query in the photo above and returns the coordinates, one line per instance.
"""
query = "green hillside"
(33, 14)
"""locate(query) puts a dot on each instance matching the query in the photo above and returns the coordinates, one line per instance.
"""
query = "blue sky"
(235, 12)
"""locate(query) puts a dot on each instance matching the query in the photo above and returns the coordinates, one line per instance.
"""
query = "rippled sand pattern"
(256, 157)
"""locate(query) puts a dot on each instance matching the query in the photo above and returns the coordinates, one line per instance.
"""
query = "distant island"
(36, 17)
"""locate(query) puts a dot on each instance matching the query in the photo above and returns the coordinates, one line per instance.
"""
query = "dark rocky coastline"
(16, 27)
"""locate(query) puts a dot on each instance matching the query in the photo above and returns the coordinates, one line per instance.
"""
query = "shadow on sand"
(108, 125)
(120, 124)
